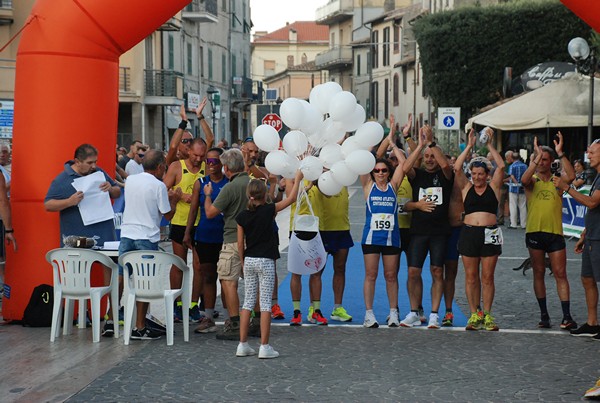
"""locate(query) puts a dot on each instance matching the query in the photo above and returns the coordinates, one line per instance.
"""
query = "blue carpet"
(353, 295)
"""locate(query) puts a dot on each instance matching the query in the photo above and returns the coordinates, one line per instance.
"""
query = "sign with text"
(273, 119)
(193, 101)
(6, 119)
(449, 118)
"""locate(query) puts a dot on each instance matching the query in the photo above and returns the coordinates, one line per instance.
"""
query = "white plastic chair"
(71, 270)
(149, 281)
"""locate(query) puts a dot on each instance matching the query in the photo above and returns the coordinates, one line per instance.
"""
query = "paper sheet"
(95, 206)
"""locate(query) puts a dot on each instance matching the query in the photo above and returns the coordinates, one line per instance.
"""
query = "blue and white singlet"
(381, 226)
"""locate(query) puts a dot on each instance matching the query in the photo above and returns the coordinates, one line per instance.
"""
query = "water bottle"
(483, 136)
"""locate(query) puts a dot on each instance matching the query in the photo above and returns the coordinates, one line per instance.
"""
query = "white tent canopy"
(562, 103)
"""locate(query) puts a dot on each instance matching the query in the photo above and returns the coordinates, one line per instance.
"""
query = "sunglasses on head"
(382, 170)
(596, 141)
(248, 140)
(186, 141)
(213, 161)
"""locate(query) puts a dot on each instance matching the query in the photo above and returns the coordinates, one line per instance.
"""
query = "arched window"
(304, 58)
(290, 61)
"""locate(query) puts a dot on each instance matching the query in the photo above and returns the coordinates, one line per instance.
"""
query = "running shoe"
(178, 312)
(297, 319)
(195, 316)
(370, 321)
(144, 334)
(207, 325)
(586, 330)
(340, 315)
(434, 321)
(475, 322)
(276, 312)
(594, 391)
(489, 323)
(421, 314)
(266, 351)
(244, 350)
(448, 320)
(568, 324)
(109, 329)
(411, 320)
(393, 320)
(544, 323)
(317, 318)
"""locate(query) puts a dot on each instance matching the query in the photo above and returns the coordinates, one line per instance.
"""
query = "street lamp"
(586, 64)
(211, 91)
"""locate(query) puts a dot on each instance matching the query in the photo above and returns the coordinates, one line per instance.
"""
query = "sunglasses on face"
(186, 141)
(213, 161)
(141, 155)
(382, 170)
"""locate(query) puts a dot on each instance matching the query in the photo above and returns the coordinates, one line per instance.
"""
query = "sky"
(270, 15)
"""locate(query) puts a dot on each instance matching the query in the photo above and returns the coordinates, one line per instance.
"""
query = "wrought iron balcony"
(162, 84)
(334, 12)
(244, 89)
(201, 11)
(334, 57)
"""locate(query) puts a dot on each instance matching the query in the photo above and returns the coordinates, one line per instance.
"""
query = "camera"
(555, 167)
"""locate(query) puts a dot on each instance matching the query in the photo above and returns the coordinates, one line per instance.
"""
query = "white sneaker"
(434, 321)
(244, 350)
(266, 351)
(393, 318)
(370, 320)
(411, 320)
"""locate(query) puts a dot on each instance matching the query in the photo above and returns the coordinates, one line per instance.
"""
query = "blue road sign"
(448, 121)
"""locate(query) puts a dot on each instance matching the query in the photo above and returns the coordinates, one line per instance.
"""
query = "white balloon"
(314, 95)
(312, 119)
(292, 113)
(360, 162)
(342, 106)
(311, 167)
(325, 95)
(266, 138)
(276, 162)
(330, 154)
(292, 164)
(356, 119)
(369, 134)
(295, 143)
(351, 144)
(333, 132)
(342, 174)
(327, 185)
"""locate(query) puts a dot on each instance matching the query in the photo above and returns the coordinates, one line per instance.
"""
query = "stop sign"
(273, 120)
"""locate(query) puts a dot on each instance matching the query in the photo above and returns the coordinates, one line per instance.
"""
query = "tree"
(463, 52)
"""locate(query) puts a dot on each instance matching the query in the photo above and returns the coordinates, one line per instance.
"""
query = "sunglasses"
(248, 140)
(213, 161)
(596, 141)
(382, 170)
(186, 141)
(141, 155)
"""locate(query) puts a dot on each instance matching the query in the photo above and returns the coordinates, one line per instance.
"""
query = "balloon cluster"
(316, 140)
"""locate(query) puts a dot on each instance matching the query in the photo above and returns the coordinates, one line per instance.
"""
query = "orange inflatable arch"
(66, 94)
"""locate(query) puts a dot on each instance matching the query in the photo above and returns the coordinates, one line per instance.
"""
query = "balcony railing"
(244, 89)
(201, 11)
(334, 57)
(163, 83)
(334, 11)
(6, 4)
(124, 79)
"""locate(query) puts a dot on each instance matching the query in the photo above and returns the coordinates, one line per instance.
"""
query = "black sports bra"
(487, 202)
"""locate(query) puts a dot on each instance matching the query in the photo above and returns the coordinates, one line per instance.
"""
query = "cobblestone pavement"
(351, 363)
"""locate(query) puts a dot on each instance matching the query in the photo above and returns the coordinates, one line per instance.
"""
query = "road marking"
(527, 257)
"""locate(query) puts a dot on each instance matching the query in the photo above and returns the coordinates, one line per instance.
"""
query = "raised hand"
(558, 145)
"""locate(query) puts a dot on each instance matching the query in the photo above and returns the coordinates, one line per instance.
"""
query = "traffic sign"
(273, 119)
(449, 118)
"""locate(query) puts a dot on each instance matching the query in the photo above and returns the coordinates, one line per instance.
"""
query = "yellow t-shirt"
(404, 195)
(333, 211)
(182, 210)
(544, 208)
